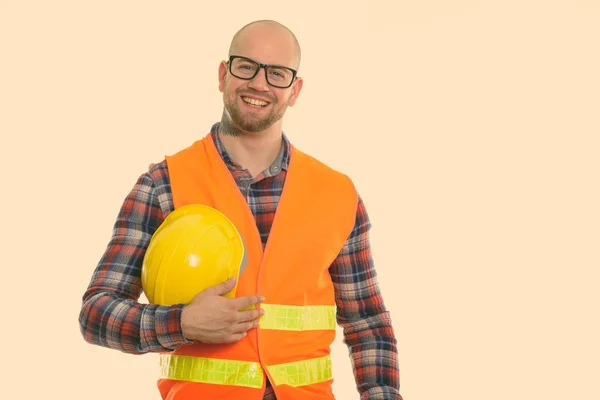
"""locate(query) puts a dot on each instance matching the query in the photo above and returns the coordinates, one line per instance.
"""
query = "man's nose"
(259, 82)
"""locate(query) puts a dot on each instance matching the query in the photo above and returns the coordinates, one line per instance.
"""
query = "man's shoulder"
(157, 167)
(161, 167)
(158, 173)
(322, 166)
(327, 177)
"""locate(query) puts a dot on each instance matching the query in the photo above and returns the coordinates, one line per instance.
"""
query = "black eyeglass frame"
(265, 67)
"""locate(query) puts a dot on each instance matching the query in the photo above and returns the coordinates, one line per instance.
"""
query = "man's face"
(254, 105)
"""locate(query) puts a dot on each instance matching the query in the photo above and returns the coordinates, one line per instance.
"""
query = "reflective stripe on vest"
(211, 370)
(244, 373)
(302, 373)
(298, 318)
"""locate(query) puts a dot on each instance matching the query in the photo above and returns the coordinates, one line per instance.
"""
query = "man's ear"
(222, 75)
(296, 88)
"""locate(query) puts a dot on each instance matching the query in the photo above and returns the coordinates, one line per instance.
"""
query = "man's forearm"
(109, 320)
(374, 356)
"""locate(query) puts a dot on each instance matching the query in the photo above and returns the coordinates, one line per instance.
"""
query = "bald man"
(325, 239)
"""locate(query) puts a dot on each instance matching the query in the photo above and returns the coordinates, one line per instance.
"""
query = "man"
(316, 256)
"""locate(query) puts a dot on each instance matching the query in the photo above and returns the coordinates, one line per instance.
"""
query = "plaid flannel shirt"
(111, 315)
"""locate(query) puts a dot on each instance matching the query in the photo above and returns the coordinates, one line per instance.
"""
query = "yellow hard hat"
(195, 247)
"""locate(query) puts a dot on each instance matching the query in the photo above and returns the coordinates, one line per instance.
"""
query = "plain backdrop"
(471, 129)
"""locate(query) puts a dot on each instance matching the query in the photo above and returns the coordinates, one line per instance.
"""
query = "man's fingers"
(249, 315)
(247, 301)
(243, 327)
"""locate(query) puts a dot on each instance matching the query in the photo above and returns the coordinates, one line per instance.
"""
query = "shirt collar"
(281, 162)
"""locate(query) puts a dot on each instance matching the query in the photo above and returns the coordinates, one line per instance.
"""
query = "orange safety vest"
(291, 346)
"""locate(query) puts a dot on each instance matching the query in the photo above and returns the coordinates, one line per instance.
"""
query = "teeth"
(255, 102)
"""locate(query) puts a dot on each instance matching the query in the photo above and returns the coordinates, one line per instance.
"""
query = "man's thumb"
(224, 287)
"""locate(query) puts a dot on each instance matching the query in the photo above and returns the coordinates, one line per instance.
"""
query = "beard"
(246, 121)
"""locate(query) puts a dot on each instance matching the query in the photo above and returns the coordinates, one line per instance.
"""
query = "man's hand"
(212, 318)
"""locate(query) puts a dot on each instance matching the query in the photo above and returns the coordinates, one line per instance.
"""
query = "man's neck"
(254, 151)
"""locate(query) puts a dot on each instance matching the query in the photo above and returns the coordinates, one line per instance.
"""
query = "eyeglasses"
(246, 68)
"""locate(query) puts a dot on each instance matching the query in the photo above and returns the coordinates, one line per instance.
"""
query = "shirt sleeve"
(111, 315)
(361, 313)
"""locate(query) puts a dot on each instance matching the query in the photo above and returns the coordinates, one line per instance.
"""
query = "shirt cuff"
(167, 324)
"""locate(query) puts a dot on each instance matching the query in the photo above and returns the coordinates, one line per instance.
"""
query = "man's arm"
(361, 312)
(111, 315)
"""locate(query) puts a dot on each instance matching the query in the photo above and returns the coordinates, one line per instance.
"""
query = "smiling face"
(254, 105)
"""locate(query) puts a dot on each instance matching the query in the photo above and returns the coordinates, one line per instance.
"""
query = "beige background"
(470, 128)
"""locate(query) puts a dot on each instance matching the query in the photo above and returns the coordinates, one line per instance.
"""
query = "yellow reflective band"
(302, 373)
(298, 318)
(210, 370)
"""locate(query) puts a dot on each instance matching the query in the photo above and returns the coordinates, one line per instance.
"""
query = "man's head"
(254, 98)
